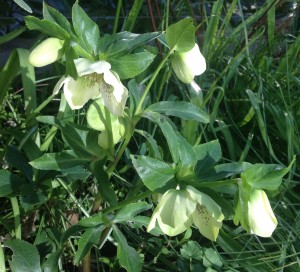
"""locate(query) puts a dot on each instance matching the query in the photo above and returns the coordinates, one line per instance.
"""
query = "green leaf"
(181, 35)
(86, 29)
(191, 250)
(124, 42)
(11, 35)
(181, 109)
(89, 238)
(86, 223)
(265, 176)
(211, 258)
(23, 5)
(131, 65)
(220, 171)
(127, 255)
(155, 174)
(168, 132)
(104, 185)
(131, 210)
(8, 182)
(55, 16)
(31, 197)
(211, 149)
(82, 140)
(26, 257)
(46, 26)
(59, 161)
(16, 158)
(51, 264)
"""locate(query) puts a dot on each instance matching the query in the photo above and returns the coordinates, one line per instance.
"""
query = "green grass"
(251, 92)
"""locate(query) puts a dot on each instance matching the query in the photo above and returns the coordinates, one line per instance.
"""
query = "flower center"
(92, 79)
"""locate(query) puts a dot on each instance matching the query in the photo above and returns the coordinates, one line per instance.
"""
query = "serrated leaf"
(59, 161)
(131, 65)
(51, 264)
(211, 149)
(23, 5)
(55, 16)
(26, 257)
(127, 255)
(47, 27)
(131, 210)
(220, 171)
(8, 182)
(86, 29)
(155, 174)
(191, 250)
(265, 176)
(181, 35)
(181, 109)
(89, 238)
(104, 186)
(30, 197)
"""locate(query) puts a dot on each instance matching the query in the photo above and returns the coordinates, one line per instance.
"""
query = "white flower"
(95, 80)
(189, 64)
(47, 52)
(261, 218)
(179, 209)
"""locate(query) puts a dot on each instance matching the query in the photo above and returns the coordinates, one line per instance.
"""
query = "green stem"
(109, 131)
(2, 258)
(139, 106)
(117, 16)
(16, 212)
(73, 197)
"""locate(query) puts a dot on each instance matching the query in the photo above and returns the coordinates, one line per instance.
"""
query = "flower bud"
(189, 64)
(261, 218)
(47, 52)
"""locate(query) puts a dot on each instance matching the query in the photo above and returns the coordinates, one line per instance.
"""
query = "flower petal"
(113, 93)
(195, 60)
(80, 91)
(203, 199)
(173, 213)
(262, 220)
(207, 225)
(86, 67)
(59, 84)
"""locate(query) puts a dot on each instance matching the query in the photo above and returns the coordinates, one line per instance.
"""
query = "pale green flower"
(47, 52)
(189, 64)
(179, 209)
(261, 218)
(95, 80)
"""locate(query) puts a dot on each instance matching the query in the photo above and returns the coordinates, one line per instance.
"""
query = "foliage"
(78, 186)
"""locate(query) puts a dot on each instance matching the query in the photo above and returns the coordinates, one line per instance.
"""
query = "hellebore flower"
(179, 209)
(95, 80)
(261, 218)
(189, 64)
(47, 52)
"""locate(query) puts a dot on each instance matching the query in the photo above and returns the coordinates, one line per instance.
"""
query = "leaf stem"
(139, 106)
(16, 212)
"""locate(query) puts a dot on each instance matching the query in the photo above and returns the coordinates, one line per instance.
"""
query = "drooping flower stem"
(155, 74)
(108, 128)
